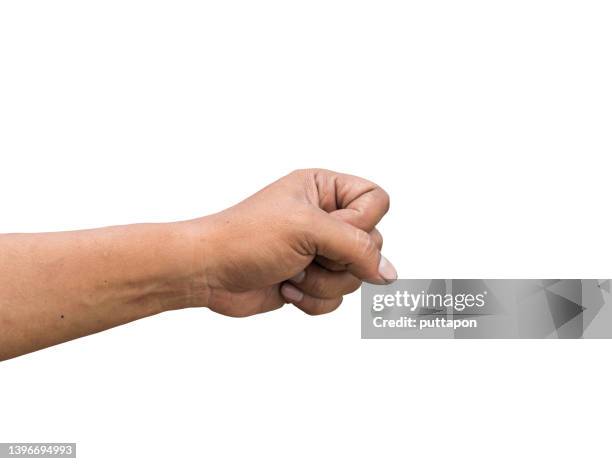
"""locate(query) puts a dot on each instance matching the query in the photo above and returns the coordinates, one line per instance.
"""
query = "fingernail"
(298, 277)
(291, 293)
(386, 270)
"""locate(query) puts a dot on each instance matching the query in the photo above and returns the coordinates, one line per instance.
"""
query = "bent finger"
(309, 304)
(322, 283)
(345, 244)
(355, 200)
(334, 266)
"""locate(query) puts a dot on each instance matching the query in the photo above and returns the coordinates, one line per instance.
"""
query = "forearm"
(307, 239)
(58, 286)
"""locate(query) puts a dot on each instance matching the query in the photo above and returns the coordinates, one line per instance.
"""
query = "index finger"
(351, 199)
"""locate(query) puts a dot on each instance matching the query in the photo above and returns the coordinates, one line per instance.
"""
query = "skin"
(307, 239)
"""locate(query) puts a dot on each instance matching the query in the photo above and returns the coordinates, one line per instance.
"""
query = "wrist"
(172, 271)
(194, 251)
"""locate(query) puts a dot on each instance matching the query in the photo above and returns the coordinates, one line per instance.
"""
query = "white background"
(489, 123)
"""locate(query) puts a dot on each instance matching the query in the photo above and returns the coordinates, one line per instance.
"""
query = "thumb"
(348, 245)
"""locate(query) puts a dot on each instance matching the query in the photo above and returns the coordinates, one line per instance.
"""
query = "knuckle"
(336, 304)
(327, 288)
(311, 312)
(324, 306)
(318, 287)
(239, 313)
(385, 199)
(304, 172)
(296, 172)
(354, 285)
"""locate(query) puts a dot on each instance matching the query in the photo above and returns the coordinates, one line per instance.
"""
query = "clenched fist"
(307, 239)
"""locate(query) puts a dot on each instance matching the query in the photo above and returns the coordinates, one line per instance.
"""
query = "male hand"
(307, 239)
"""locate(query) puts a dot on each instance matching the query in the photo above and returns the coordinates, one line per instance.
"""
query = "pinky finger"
(309, 304)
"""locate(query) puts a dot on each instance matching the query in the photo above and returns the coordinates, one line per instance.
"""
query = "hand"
(306, 239)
